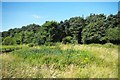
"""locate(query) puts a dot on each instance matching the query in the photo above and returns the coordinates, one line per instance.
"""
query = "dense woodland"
(95, 28)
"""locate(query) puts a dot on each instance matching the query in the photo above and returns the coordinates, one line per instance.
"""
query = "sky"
(60, 0)
(18, 14)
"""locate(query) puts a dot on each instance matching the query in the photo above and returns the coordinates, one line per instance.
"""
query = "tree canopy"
(96, 28)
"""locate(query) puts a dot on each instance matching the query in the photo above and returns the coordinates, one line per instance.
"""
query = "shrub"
(9, 41)
(112, 35)
(31, 45)
(67, 39)
(18, 42)
(109, 45)
(49, 44)
(41, 41)
(9, 48)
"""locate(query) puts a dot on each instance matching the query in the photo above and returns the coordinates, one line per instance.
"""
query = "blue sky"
(60, 0)
(18, 14)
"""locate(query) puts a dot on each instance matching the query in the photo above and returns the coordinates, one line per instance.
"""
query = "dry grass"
(105, 65)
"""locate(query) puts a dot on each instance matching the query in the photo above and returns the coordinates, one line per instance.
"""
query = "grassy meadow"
(60, 61)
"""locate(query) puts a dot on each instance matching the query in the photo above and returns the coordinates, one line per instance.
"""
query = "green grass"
(11, 48)
(61, 61)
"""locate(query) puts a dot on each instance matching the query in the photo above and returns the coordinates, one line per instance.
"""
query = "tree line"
(95, 28)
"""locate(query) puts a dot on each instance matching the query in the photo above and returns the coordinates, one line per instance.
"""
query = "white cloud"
(36, 16)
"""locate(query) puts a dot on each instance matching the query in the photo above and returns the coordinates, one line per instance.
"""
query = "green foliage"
(109, 45)
(51, 31)
(96, 28)
(10, 48)
(94, 31)
(67, 39)
(9, 41)
(49, 44)
(18, 42)
(47, 55)
(76, 26)
(5, 34)
(31, 44)
(73, 28)
(112, 35)
(61, 61)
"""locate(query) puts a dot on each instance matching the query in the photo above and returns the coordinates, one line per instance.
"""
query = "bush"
(31, 45)
(41, 41)
(9, 48)
(9, 41)
(109, 45)
(67, 39)
(49, 44)
(18, 42)
(112, 35)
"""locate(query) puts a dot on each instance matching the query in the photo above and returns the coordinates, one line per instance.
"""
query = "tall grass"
(61, 61)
